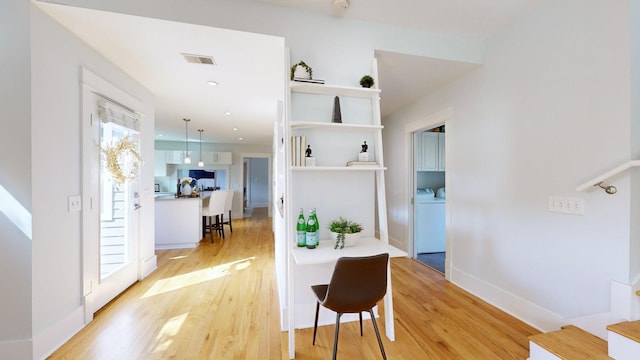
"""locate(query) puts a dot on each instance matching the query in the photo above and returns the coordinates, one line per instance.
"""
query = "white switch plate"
(75, 203)
(566, 205)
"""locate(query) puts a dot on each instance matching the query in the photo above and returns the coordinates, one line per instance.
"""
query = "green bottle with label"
(311, 231)
(301, 230)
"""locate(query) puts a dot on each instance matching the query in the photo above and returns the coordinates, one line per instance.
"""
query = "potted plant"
(344, 232)
(301, 70)
(367, 81)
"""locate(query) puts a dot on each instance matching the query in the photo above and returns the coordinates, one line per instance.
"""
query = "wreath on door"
(122, 159)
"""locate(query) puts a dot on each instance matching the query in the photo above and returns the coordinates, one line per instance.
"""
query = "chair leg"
(210, 228)
(219, 221)
(375, 327)
(315, 324)
(230, 227)
(360, 315)
(335, 337)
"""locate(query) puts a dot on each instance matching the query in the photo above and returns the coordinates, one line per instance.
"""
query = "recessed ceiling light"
(228, 113)
(235, 129)
(212, 83)
(240, 139)
(160, 135)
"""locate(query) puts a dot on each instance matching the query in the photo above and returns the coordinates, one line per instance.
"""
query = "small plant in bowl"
(366, 81)
(344, 232)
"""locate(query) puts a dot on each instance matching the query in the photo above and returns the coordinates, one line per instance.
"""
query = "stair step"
(628, 329)
(624, 340)
(571, 342)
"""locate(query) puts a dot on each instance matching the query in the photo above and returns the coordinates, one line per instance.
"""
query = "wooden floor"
(219, 301)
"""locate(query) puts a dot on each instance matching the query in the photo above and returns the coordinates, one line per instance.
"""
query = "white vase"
(301, 73)
(349, 239)
(186, 190)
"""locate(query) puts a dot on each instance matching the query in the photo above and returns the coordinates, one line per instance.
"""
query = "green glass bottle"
(301, 230)
(311, 231)
(317, 234)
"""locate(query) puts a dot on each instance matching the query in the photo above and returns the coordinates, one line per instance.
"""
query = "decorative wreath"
(305, 66)
(123, 160)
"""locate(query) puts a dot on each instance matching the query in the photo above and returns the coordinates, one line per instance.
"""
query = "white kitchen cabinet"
(331, 187)
(429, 151)
(441, 152)
(174, 156)
(160, 163)
(217, 158)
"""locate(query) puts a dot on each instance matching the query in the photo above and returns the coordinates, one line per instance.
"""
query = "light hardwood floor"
(219, 301)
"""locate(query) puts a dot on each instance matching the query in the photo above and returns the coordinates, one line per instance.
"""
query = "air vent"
(199, 59)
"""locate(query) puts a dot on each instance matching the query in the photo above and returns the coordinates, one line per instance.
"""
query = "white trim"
(269, 158)
(531, 313)
(45, 343)
(438, 118)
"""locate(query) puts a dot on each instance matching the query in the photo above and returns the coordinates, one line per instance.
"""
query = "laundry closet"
(430, 197)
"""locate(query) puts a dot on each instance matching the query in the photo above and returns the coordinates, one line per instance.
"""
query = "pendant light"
(200, 163)
(187, 159)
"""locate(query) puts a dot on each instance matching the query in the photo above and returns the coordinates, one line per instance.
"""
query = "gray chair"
(357, 284)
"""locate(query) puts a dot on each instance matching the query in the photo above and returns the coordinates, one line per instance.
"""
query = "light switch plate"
(75, 203)
(566, 205)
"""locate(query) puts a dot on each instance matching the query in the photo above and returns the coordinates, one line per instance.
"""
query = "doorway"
(429, 175)
(256, 187)
(429, 197)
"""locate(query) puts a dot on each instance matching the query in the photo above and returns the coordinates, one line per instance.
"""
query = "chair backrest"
(357, 283)
(216, 202)
(229, 200)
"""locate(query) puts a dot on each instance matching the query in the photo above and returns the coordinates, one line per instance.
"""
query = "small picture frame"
(156, 187)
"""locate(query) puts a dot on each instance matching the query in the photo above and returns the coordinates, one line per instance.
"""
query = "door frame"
(91, 83)
(442, 117)
(245, 156)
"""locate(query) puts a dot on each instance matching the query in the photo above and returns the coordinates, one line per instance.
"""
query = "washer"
(429, 222)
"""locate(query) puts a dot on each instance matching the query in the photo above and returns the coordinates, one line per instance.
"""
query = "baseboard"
(595, 324)
(396, 243)
(147, 266)
(176, 246)
(49, 340)
(16, 349)
(532, 314)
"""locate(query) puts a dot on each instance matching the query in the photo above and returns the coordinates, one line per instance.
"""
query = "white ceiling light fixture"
(187, 159)
(340, 5)
(212, 83)
(200, 163)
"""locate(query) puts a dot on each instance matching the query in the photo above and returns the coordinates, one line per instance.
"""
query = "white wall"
(15, 179)
(548, 110)
(57, 57)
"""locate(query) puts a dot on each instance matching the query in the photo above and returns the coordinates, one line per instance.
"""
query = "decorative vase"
(349, 239)
(186, 190)
(301, 73)
(337, 115)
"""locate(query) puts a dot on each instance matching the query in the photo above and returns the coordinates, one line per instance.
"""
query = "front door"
(111, 220)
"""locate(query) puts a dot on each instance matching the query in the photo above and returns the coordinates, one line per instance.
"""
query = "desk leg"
(291, 307)
(388, 308)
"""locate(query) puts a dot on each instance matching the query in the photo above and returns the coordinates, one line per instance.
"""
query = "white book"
(303, 149)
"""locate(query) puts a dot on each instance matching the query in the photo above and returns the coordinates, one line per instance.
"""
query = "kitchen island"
(178, 222)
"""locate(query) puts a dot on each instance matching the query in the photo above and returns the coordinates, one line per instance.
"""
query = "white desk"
(321, 262)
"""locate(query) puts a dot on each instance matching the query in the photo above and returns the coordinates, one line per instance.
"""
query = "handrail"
(615, 171)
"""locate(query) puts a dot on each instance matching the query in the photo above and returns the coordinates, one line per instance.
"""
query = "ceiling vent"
(199, 59)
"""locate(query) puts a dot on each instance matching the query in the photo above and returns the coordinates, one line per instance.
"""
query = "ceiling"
(240, 110)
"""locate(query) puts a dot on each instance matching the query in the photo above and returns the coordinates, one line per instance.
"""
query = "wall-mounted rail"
(613, 172)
